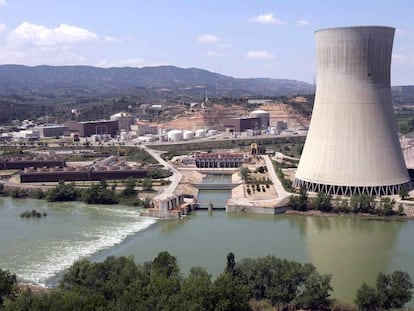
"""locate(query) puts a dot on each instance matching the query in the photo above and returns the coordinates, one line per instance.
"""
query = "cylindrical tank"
(263, 116)
(212, 132)
(175, 135)
(187, 135)
(352, 145)
(200, 133)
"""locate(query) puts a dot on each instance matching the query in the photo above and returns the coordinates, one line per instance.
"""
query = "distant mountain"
(41, 80)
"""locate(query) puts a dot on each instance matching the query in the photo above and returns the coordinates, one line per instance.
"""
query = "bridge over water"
(215, 186)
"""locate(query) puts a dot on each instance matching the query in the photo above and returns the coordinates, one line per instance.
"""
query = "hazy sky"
(256, 38)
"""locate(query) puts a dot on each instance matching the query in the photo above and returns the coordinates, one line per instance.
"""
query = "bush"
(62, 192)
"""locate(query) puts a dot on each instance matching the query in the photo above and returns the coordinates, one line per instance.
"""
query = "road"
(175, 178)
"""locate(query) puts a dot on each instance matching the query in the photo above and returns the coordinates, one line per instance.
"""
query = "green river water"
(351, 248)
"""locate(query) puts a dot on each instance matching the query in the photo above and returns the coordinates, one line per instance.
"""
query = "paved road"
(175, 178)
(283, 195)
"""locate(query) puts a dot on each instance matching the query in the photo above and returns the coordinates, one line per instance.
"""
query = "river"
(351, 248)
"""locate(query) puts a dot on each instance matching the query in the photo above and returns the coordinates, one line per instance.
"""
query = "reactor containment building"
(352, 145)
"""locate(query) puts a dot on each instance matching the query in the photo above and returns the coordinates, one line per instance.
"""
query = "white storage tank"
(175, 135)
(263, 116)
(187, 135)
(200, 133)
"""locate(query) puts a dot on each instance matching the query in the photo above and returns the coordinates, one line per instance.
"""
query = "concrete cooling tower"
(352, 145)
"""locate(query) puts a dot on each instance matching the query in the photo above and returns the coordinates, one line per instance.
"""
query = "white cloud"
(128, 62)
(41, 36)
(303, 23)
(3, 27)
(3, 3)
(213, 54)
(207, 39)
(110, 39)
(259, 55)
(267, 19)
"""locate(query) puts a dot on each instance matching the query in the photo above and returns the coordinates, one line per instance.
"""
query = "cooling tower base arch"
(351, 190)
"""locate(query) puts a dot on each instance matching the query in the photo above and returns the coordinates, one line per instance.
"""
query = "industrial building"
(86, 129)
(352, 145)
(242, 124)
(125, 120)
(51, 130)
(264, 117)
(218, 160)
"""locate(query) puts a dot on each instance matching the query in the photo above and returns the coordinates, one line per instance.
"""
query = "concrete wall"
(352, 140)
(87, 175)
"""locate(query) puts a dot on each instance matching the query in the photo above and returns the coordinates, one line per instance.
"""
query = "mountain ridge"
(15, 79)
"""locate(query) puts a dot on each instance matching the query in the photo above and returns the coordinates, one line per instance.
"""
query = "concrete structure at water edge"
(352, 146)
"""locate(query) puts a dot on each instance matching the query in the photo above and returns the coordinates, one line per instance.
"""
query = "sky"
(239, 38)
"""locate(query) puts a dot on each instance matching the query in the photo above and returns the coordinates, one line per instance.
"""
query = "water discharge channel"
(352, 249)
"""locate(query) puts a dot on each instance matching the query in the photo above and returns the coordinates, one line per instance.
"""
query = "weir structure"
(352, 145)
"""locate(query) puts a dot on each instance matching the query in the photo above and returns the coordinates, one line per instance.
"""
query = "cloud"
(110, 39)
(267, 19)
(303, 23)
(41, 36)
(3, 3)
(213, 54)
(3, 27)
(259, 55)
(207, 39)
(128, 62)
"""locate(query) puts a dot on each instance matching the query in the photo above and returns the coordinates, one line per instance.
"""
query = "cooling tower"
(352, 145)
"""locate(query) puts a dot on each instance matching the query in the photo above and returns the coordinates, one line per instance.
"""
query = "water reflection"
(352, 249)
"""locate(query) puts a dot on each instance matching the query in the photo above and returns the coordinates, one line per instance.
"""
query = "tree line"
(358, 203)
(251, 284)
(100, 193)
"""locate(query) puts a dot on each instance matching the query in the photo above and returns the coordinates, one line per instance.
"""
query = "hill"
(170, 80)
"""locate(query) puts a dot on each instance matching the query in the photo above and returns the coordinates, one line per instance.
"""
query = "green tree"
(244, 172)
(362, 203)
(129, 189)
(99, 194)
(197, 291)
(322, 202)
(403, 193)
(394, 290)
(386, 207)
(62, 192)
(229, 294)
(316, 292)
(367, 298)
(163, 289)
(8, 282)
(147, 184)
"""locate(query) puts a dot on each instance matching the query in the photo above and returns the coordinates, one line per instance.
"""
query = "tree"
(62, 192)
(164, 286)
(147, 184)
(315, 294)
(244, 172)
(394, 290)
(229, 294)
(322, 202)
(197, 291)
(386, 207)
(367, 298)
(129, 189)
(98, 194)
(8, 282)
(403, 193)
(362, 203)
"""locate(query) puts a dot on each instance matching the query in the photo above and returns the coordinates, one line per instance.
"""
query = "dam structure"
(352, 145)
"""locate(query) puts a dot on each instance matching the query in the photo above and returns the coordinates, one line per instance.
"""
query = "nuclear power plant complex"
(352, 146)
